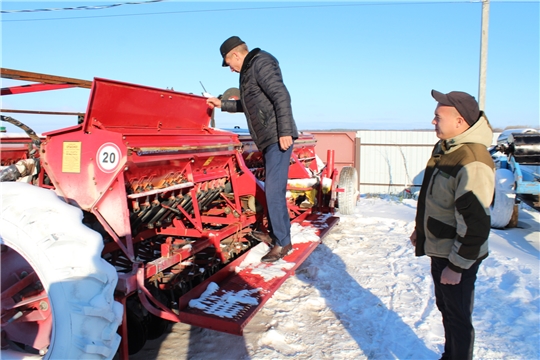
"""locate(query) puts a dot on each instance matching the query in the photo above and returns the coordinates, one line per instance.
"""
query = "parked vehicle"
(517, 160)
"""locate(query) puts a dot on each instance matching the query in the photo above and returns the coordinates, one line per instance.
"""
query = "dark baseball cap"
(228, 45)
(465, 104)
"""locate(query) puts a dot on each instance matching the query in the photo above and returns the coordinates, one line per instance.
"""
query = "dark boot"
(273, 255)
(286, 250)
(262, 237)
(276, 253)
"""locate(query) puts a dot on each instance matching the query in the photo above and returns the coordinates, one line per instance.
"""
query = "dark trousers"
(456, 303)
(275, 188)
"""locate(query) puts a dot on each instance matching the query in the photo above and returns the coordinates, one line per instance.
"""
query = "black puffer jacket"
(264, 99)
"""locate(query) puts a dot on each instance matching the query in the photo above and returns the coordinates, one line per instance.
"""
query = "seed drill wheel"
(504, 198)
(348, 180)
(57, 291)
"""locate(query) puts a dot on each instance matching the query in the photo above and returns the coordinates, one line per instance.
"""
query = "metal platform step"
(229, 299)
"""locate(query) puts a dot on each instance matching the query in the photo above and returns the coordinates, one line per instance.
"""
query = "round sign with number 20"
(108, 157)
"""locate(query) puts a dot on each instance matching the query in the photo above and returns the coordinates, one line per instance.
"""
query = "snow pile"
(268, 271)
(254, 256)
(304, 234)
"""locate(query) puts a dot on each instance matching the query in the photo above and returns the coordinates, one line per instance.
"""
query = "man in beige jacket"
(453, 219)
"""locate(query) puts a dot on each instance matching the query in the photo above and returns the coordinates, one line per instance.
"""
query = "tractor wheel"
(348, 180)
(504, 198)
(57, 291)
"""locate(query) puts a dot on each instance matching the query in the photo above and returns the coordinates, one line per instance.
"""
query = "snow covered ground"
(362, 294)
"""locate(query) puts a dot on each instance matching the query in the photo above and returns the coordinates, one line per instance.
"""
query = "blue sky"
(347, 65)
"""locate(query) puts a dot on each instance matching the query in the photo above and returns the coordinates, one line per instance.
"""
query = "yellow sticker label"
(207, 162)
(71, 157)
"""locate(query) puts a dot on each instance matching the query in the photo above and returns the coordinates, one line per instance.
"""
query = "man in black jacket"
(266, 102)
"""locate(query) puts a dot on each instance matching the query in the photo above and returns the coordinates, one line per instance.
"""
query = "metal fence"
(392, 161)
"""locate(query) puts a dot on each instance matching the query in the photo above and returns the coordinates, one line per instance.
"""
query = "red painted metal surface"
(343, 143)
(303, 162)
(118, 106)
(33, 88)
(26, 314)
(14, 149)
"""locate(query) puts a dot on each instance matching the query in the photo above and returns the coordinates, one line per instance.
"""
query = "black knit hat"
(464, 103)
(228, 45)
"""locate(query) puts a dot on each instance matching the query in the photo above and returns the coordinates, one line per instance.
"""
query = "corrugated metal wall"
(392, 161)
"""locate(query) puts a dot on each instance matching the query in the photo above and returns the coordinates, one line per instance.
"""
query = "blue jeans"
(275, 188)
(456, 303)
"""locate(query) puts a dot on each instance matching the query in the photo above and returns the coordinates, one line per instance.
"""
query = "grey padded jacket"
(453, 219)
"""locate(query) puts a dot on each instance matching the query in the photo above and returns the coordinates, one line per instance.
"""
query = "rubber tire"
(348, 180)
(504, 198)
(66, 256)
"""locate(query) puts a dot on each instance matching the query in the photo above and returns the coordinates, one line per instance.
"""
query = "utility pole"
(483, 55)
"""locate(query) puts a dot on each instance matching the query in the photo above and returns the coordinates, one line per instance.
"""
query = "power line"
(378, 3)
(86, 7)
